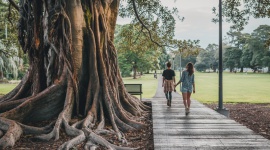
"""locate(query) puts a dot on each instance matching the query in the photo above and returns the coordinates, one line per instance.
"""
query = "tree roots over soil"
(141, 139)
(73, 73)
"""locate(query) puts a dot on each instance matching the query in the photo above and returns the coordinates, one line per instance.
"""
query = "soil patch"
(254, 116)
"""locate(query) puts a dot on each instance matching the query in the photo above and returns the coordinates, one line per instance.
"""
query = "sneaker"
(186, 111)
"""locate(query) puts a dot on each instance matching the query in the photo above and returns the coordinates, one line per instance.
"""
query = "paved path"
(203, 128)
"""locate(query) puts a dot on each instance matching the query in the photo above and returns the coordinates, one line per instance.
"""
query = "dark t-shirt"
(168, 74)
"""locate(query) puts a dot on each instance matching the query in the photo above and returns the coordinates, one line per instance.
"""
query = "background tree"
(250, 49)
(208, 58)
(11, 62)
(203, 61)
(73, 70)
(232, 58)
(254, 50)
(239, 40)
(184, 60)
(8, 29)
(163, 59)
(10, 65)
(186, 51)
(136, 52)
(262, 33)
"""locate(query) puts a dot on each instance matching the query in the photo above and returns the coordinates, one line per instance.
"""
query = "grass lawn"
(237, 88)
(5, 88)
(149, 84)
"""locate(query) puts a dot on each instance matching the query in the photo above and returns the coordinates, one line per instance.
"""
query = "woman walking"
(188, 85)
(168, 83)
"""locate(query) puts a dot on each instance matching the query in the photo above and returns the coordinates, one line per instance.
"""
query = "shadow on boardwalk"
(203, 128)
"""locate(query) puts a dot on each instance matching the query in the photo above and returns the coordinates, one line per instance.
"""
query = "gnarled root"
(13, 132)
(94, 138)
(80, 137)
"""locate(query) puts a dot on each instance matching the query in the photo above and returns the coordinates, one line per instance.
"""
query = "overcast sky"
(197, 24)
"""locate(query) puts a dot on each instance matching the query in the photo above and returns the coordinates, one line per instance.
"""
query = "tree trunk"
(135, 73)
(73, 72)
(242, 69)
(1, 75)
(254, 70)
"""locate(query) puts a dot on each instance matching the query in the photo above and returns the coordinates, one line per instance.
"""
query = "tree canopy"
(239, 12)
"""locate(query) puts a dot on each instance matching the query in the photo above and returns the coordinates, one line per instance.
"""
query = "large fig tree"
(74, 72)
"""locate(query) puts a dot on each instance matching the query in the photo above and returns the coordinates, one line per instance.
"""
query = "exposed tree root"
(12, 132)
(99, 140)
(80, 137)
(36, 130)
(63, 117)
(90, 145)
(33, 108)
(5, 106)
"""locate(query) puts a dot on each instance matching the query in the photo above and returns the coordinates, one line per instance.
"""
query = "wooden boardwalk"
(203, 128)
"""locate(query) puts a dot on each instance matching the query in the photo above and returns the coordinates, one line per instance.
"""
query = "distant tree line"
(243, 50)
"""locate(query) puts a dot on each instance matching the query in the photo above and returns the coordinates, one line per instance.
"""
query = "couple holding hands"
(187, 80)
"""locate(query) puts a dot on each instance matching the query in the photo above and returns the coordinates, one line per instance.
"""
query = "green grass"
(5, 88)
(237, 88)
(149, 84)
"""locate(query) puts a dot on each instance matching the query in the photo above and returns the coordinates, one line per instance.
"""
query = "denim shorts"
(186, 90)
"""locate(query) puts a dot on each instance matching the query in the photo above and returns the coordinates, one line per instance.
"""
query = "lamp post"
(220, 108)
(173, 56)
(173, 63)
(220, 91)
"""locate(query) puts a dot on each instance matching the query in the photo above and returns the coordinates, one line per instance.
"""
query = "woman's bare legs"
(188, 99)
(185, 99)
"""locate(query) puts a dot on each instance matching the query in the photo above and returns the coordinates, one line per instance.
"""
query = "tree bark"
(1, 75)
(73, 72)
(242, 69)
(134, 72)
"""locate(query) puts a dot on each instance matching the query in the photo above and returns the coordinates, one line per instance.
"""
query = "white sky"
(197, 24)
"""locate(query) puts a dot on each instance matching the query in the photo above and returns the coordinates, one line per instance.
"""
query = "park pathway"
(203, 128)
